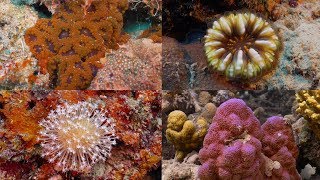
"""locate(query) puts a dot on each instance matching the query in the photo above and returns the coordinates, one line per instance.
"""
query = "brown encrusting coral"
(69, 46)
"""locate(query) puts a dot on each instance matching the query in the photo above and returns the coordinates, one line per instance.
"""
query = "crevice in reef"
(42, 10)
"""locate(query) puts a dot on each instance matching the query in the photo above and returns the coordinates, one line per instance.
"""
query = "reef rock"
(135, 65)
(16, 63)
(172, 169)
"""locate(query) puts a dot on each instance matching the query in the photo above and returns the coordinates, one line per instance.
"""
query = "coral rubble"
(174, 70)
(308, 171)
(235, 135)
(184, 134)
(69, 46)
(242, 46)
(171, 169)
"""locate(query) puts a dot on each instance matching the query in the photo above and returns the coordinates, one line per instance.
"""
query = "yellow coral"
(309, 108)
(185, 134)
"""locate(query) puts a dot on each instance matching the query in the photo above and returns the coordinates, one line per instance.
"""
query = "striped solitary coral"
(77, 136)
(242, 46)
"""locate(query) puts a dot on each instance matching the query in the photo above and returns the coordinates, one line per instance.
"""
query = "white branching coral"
(74, 137)
(242, 46)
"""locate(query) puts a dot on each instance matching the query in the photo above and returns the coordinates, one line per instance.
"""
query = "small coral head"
(185, 134)
(77, 136)
(277, 134)
(176, 120)
(309, 108)
(242, 46)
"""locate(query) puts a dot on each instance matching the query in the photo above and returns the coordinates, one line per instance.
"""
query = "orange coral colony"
(70, 45)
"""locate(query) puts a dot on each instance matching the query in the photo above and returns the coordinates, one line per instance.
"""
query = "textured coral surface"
(308, 107)
(135, 65)
(279, 146)
(137, 126)
(184, 134)
(235, 146)
(69, 46)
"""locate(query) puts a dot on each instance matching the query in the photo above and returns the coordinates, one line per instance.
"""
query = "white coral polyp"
(74, 137)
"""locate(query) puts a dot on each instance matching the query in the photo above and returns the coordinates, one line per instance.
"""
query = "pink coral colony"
(238, 147)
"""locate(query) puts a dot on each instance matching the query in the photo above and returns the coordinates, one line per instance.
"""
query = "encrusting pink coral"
(237, 147)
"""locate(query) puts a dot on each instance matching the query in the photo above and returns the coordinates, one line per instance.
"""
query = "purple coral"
(279, 146)
(237, 147)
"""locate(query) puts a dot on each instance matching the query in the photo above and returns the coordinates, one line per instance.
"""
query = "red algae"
(22, 114)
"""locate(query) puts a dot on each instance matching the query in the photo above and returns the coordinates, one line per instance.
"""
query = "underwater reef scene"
(80, 44)
(245, 44)
(228, 134)
(55, 134)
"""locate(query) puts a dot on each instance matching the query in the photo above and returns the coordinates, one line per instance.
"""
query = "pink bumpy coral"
(232, 148)
(236, 147)
(279, 145)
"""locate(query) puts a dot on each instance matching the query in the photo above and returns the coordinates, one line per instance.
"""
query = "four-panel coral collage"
(159, 89)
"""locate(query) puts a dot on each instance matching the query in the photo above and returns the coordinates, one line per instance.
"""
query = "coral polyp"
(77, 136)
(242, 46)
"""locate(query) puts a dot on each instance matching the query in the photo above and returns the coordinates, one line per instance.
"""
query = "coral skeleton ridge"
(77, 136)
(242, 46)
